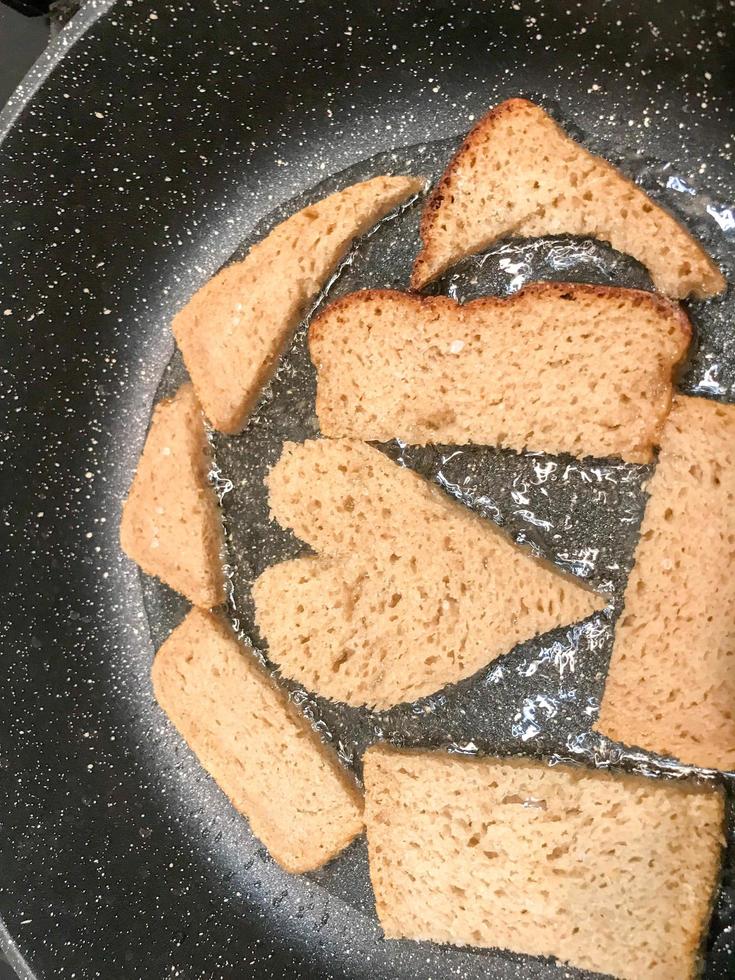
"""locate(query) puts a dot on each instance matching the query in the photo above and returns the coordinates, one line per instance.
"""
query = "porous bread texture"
(671, 684)
(171, 523)
(608, 872)
(519, 175)
(255, 744)
(409, 591)
(559, 368)
(232, 331)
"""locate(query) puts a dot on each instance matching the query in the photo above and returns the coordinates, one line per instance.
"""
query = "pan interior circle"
(584, 515)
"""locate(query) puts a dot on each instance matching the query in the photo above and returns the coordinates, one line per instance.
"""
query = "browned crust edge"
(562, 290)
(436, 198)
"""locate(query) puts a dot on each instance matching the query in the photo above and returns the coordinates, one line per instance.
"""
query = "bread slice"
(519, 175)
(410, 591)
(259, 749)
(610, 873)
(671, 684)
(171, 522)
(585, 370)
(232, 331)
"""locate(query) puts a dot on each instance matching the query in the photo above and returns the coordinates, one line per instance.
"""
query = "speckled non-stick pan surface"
(153, 140)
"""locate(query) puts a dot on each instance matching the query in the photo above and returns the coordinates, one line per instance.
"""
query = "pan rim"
(42, 68)
(32, 82)
(28, 101)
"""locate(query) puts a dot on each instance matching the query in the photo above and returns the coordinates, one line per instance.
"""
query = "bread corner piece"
(256, 745)
(671, 684)
(171, 523)
(610, 873)
(518, 174)
(233, 330)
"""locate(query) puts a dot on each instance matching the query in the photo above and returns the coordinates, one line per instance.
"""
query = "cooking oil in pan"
(541, 698)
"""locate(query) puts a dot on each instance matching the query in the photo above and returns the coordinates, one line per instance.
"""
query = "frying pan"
(139, 153)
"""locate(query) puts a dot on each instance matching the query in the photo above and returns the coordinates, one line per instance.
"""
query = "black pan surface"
(150, 152)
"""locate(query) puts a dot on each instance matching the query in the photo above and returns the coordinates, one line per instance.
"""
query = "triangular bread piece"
(410, 590)
(232, 331)
(609, 872)
(518, 174)
(171, 523)
(555, 368)
(256, 745)
(671, 684)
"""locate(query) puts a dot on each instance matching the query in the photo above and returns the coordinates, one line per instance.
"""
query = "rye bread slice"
(610, 873)
(671, 684)
(232, 331)
(519, 175)
(558, 368)
(171, 522)
(410, 590)
(256, 745)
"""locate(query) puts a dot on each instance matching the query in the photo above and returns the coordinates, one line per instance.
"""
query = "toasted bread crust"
(420, 274)
(439, 304)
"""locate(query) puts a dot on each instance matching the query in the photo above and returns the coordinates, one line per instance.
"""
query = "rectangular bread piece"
(671, 683)
(610, 873)
(171, 524)
(255, 744)
(233, 330)
(557, 368)
(410, 590)
(519, 175)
